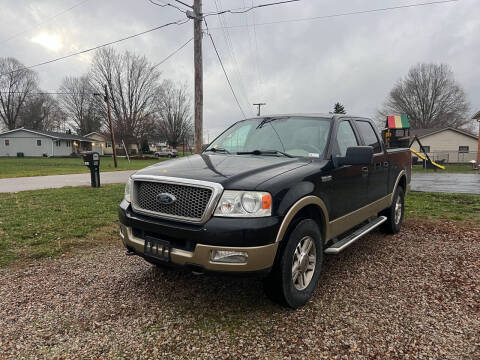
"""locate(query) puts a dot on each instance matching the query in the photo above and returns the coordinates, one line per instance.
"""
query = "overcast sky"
(302, 66)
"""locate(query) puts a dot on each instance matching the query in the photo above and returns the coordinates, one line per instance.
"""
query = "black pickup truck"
(270, 196)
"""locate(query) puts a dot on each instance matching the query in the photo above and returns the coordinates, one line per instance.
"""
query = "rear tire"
(296, 271)
(395, 213)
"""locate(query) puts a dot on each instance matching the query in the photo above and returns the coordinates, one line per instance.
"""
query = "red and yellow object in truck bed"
(398, 122)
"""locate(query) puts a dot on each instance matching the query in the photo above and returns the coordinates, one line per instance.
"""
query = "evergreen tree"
(339, 109)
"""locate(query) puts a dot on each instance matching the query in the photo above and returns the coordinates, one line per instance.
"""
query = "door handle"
(365, 170)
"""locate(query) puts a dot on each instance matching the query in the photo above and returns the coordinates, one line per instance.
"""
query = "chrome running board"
(357, 234)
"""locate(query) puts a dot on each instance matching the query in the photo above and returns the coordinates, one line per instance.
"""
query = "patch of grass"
(450, 168)
(436, 206)
(18, 167)
(46, 223)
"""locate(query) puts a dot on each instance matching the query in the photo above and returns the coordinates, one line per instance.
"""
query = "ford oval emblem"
(166, 199)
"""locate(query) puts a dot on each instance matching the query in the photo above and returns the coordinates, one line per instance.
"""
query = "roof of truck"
(313, 115)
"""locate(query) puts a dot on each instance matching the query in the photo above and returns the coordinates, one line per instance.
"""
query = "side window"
(39, 142)
(368, 134)
(345, 138)
(7, 142)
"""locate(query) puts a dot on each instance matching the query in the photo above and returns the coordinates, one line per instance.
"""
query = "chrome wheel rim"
(398, 210)
(303, 264)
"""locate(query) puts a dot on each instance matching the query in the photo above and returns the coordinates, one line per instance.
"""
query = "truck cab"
(270, 196)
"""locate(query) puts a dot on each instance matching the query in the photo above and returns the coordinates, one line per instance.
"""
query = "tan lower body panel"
(259, 257)
(346, 222)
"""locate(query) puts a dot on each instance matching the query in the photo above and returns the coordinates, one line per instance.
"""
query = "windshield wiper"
(265, 152)
(222, 150)
(270, 119)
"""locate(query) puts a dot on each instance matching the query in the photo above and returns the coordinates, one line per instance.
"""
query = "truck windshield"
(290, 135)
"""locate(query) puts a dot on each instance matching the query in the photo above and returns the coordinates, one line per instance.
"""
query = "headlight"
(128, 190)
(244, 204)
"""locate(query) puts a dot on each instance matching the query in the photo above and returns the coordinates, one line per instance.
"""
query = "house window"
(58, 143)
(7, 142)
(39, 142)
(69, 144)
(426, 148)
(463, 149)
(109, 145)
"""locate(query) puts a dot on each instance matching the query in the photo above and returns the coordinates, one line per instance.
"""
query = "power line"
(174, 53)
(178, 22)
(242, 11)
(322, 17)
(165, 4)
(225, 72)
(38, 93)
(43, 22)
(232, 53)
(67, 93)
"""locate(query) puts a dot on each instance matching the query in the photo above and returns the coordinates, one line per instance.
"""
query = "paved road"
(431, 182)
(446, 183)
(58, 181)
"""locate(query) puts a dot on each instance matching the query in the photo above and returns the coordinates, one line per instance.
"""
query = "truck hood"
(239, 172)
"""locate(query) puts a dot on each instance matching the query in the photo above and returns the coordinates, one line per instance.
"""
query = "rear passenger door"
(379, 169)
(349, 184)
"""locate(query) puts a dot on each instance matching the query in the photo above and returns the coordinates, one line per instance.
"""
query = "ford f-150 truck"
(271, 195)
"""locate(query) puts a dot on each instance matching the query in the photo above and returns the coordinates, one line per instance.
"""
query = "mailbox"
(91, 160)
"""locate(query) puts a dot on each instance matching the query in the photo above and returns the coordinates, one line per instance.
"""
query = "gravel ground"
(414, 295)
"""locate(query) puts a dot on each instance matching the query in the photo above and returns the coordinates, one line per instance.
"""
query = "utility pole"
(107, 100)
(259, 106)
(198, 63)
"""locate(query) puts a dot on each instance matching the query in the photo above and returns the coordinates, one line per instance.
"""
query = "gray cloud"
(299, 66)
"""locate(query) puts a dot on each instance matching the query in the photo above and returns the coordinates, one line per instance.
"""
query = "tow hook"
(129, 252)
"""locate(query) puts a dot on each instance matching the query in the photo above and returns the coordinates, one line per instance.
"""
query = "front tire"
(395, 213)
(295, 274)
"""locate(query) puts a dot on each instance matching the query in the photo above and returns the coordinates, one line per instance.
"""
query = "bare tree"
(40, 112)
(174, 115)
(431, 98)
(132, 82)
(16, 84)
(77, 101)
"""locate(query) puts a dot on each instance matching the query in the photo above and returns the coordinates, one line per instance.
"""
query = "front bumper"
(259, 257)
(192, 245)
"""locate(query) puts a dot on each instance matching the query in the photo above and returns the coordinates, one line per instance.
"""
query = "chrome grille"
(191, 201)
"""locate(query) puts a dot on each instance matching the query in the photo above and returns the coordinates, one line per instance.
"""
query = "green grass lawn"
(450, 168)
(436, 206)
(17, 167)
(47, 223)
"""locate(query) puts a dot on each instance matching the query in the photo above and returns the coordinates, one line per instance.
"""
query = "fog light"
(227, 256)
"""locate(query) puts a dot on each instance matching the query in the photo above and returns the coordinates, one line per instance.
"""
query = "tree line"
(144, 106)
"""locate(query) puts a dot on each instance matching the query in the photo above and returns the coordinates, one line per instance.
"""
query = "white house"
(42, 143)
(103, 144)
(449, 144)
(99, 143)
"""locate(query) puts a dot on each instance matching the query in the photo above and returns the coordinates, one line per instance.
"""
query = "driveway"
(446, 183)
(412, 295)
(58, 181)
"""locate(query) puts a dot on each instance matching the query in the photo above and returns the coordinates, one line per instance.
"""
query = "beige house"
(448, 144)
(103, 145)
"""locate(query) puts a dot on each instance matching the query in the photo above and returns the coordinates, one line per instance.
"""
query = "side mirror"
(357, 155)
